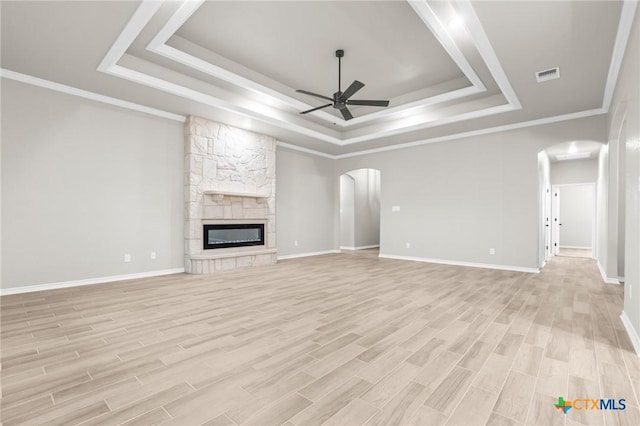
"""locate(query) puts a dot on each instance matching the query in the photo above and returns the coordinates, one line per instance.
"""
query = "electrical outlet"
(153, 255)
(492, 251)
(395, 208)
(295, 243)
(408, 245)
(127, 257)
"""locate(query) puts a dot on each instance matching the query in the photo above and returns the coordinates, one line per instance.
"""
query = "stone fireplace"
(229, 181)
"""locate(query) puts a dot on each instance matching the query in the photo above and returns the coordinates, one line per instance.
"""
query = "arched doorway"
(568, 177)
(360, 209)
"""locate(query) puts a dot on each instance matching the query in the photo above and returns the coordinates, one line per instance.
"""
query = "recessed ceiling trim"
(306, 150)
(482, 43)
(174, 23)
(441, 32)
(158, 45)
(619, 47)
(143, 15)
(138, 21)
(187, 93)
(201, 65)
(194, 95)
(408, 107)
(486, 51)
(438, 122)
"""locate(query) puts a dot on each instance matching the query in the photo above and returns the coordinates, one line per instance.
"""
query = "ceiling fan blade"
(351, 90)
(346, 114)
(369, 103)
(314, 109)
(315, 94)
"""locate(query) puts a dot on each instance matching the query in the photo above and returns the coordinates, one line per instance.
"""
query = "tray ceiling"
(240, 62)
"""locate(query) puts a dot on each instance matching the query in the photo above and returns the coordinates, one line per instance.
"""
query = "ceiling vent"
(546, 75)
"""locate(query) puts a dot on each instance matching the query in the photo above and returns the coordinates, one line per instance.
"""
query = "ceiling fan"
(340, 99)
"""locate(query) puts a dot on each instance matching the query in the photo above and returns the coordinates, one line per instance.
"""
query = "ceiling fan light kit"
(340, 100)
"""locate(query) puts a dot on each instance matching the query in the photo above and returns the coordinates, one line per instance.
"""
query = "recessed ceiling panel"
(387, 46)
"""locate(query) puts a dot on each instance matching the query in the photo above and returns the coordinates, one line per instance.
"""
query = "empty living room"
(301, 213)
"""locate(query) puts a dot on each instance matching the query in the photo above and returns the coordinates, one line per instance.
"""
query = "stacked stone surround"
(229, 178)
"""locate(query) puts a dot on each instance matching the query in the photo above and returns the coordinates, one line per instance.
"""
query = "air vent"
(546, 75)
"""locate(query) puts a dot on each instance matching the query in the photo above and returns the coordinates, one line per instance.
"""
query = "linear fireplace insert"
(233, 235)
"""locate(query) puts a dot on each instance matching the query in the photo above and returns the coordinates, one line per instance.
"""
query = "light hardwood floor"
(570, 252)
(344, 339)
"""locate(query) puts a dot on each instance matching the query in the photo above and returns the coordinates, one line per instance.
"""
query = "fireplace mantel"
(219, 195)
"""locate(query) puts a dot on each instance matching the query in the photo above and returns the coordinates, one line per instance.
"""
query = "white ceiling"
(240, 62)
(573, 150)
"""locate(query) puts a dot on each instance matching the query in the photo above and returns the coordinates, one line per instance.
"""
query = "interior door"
(556, 224)
(548, 253)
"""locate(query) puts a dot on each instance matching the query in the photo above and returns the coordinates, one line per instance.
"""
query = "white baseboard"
(359, 247)
(311, 253)
(633, 334)
(90, 281)
(577, 247)
(605, 278)
(462, 263)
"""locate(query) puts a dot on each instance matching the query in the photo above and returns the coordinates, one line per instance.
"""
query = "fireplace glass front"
(233, 235)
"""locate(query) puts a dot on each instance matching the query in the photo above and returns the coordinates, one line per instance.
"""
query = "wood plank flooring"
(571, 252)
(344, 339)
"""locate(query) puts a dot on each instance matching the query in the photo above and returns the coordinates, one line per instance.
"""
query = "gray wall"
(347, 211)
(462, 197)
(574, 171)
(624, 133)
(84, 183)
(305, 203)
(577, 207)
(366, 214)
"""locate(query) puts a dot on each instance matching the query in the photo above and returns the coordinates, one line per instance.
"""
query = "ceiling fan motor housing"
(337, 103)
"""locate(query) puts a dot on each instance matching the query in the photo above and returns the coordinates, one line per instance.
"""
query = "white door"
(548, 253)
(555, 224)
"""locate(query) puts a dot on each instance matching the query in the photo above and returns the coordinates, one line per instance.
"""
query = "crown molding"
(35, 81)
(485, 131)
